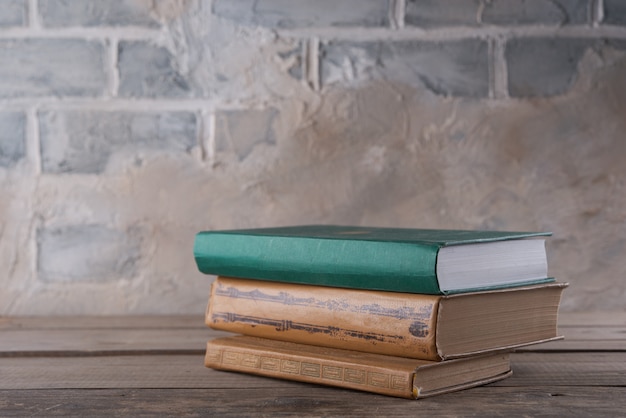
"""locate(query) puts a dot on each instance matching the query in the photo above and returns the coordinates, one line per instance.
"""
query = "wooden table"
(153, 366)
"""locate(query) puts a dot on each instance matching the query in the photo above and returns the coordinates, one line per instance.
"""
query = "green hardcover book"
(425, 261)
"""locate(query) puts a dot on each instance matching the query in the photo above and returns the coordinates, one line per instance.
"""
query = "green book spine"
(389, 259)
(341, 263)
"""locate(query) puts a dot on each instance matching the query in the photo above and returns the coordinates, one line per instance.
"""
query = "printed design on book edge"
(420, 318)
(282, 325)
(314, 369)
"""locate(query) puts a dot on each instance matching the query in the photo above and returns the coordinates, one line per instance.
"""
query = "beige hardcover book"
(398, 324)
(387, 375)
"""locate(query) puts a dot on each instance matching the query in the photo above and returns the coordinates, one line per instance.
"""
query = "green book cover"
(390, 259)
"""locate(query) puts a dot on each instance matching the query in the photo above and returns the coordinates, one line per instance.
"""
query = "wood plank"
(566, 319)
(188, 371)
(72, 342)
(180, 371)
(587, 333)
(75, 341)
(300, 400)
(161, 372)
(598, 319)
(148, 372)
(577, 345)
(103, 322)
(584, 337)
(567, 369)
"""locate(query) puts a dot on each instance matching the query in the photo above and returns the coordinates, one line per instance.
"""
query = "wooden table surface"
(153, 366)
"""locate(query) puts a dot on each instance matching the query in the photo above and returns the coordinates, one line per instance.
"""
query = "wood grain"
(103, 322)
(76, 342)
(299, 400)
(153, 366)
(187, 371)
(96, 336)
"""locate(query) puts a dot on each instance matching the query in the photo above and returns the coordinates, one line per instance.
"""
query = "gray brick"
(12, 138)
(615, 12)
(543, 67)
(147, 70)
(62, 13)
(543, 12)
(57, 67)
(239, 131)
(433, 13)
(436, 13)
(304, 13)
(87, 253)
(455, 68)
(83, 142)
(13, 13)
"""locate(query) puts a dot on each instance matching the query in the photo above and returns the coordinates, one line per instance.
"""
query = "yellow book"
(429, 327)
(387, 375)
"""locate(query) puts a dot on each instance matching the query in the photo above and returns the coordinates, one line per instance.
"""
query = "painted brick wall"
(126, 126)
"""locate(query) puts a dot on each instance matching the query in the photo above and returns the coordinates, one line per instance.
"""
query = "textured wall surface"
(126, 126)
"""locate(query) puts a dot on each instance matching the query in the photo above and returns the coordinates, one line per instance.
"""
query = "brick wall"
(128, 125)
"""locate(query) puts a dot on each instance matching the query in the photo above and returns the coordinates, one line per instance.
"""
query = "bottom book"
(387, 375)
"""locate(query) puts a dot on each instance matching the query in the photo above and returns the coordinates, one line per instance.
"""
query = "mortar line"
(397, 13)
(491, 92)
(200, 133)
(207, 136)
(498, 68)
(33, 15)
(455, 33)
(597, 13)
(114, 74)
(33, 139)
(312, 64)
(406, 33)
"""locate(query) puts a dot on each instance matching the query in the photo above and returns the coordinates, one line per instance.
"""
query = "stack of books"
(401, 312)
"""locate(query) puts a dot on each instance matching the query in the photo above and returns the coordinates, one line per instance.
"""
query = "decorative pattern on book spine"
(308, 370)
